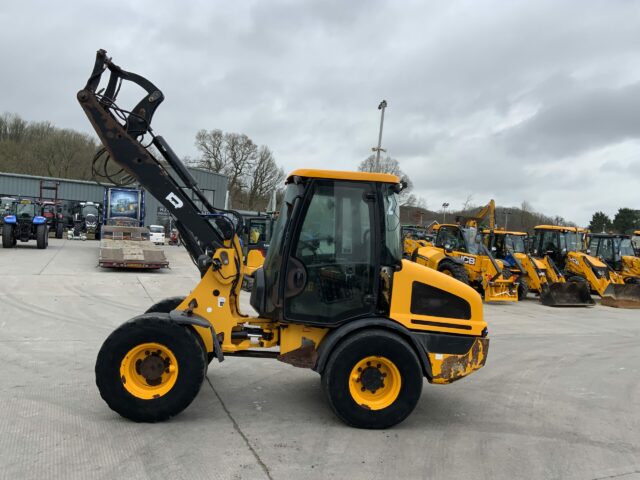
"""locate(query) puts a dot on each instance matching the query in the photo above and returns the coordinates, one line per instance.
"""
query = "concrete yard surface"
(559, 396)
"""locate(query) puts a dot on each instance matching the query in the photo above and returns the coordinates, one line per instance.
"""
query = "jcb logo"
(575, 260)
(175, 201)
(468, 260)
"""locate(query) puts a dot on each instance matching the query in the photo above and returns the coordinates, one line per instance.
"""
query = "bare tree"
(392, 166)
(252, 172)
(266, 178)
(211, 146)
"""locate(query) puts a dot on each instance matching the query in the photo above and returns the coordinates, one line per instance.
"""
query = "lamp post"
(378, 149)
(444, 212)
(506, 218)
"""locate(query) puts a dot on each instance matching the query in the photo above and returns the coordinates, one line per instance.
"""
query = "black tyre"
(41, 236)
(59, 230)
(171, 303)
(523, 290)
(8, 241)
(372, 379)
(165, 305)
(150, 369)
(454, 270)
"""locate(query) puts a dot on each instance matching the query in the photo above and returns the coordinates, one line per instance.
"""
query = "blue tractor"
(24, 221)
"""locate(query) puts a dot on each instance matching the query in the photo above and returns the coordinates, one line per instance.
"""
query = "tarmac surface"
(558, 398)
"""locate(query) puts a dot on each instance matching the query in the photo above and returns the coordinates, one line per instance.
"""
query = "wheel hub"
(375, 382)
(372, 378)
(152, 367)
(149, 371)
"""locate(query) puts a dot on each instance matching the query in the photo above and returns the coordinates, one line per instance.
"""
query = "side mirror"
(448, 249)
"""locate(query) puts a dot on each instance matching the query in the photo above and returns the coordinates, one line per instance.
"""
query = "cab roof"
(562, 228)
(609, 235)
(344, 175)
(499, 231)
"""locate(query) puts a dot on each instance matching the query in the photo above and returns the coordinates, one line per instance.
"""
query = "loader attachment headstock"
(127, 136)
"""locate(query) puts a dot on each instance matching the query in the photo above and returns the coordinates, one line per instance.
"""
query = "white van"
(156, 234)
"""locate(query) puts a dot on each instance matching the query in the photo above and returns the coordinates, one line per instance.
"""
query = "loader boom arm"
(121, 133)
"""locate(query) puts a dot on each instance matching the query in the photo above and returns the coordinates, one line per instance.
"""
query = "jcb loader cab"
(617, 251)
(24, 221)
(334, 294)
(565, 246)
(459, 252)
(537, 275)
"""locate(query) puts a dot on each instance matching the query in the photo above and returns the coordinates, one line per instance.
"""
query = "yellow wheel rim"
(447, 272)
(375, 382)
(149, 371)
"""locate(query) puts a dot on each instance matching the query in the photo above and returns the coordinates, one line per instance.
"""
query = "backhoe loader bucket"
(566, 294)
(622, 296)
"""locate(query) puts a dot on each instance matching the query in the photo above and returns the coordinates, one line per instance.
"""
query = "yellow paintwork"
(410, 245)
(254, 260)
(561, 228)
(296, 336)
(135, 383)
(344, 175)
(383, 396)
(447, 368)
(577, 265)
(401, 301)
(630, 267)
(480, 270)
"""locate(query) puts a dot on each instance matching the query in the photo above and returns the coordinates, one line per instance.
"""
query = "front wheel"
(454, 270)
(8, 241)
(150, 369)
(373, 379)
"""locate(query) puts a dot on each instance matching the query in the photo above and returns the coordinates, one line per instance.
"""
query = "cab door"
(332, 267)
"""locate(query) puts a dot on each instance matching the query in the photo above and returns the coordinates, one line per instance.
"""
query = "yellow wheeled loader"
(334, 294)
(616, 250)
(537, 275)
(565, 246)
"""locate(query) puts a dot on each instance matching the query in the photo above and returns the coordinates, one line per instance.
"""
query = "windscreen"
(392, 226)
(624, 246)
(515, 243)
(572, 241)
(25, 210)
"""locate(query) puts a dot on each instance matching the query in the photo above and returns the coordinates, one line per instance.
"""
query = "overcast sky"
(535, 101)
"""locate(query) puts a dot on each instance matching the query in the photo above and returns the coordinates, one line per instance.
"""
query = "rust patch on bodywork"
(447, 368)
(303, 357)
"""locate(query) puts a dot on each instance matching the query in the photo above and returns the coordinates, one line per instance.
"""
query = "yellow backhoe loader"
(334, 294)
(617, 251)
(565, 246)
(459, 252)
(537, 275)
(414, 237)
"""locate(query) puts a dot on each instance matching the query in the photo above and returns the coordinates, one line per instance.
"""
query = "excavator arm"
(122, 131)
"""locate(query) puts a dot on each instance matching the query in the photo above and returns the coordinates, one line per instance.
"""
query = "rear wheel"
(454, 270)
(150, 369)
(575, 278)
(373, 379)
(41, 236)
(59, 230)
(8, 241)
